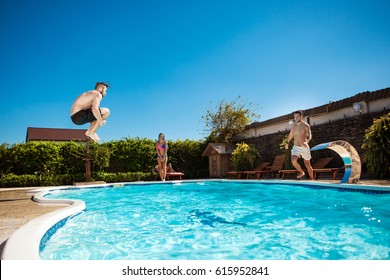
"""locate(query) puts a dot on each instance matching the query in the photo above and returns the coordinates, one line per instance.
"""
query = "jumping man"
(86, 109)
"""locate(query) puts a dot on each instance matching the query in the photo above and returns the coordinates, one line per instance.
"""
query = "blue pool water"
(222, 220)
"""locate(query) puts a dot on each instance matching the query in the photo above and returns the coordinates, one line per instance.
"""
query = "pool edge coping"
(25, 242)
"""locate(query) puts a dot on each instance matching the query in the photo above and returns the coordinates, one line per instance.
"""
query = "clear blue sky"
(166, 60)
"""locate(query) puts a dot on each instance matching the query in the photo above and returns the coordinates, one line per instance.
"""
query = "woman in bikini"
(162, 158)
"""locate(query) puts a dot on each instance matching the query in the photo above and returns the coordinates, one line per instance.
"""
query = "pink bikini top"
(161, 147)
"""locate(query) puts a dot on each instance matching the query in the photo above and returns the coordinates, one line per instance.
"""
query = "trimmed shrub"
(130, 159)
(35, 157)
(186, 157)
(35, 180)
(377, 148)
(122, 177)
(244, 157)
(131, 155)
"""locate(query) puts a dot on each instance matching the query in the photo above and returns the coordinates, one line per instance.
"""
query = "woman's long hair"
(160, 135)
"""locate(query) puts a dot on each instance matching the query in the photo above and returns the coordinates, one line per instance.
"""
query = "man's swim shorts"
(303, 152)
(83, 116)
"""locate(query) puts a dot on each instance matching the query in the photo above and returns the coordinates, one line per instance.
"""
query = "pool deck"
(17, 207)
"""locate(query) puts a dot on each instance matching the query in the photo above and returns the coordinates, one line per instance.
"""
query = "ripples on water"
(223, 220)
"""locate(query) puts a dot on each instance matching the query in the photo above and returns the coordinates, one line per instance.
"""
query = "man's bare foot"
(93, 136)
(96, 137)
(301, 175)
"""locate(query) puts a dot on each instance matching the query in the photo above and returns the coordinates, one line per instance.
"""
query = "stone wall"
(351, 130)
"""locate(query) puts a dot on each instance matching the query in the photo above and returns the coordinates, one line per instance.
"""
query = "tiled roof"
(222, 149)
(333, 106)
(55, 134)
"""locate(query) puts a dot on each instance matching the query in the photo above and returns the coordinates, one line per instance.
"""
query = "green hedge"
(28, 180)
(130, 159)
(51, 158)
(131, 155)
(123, 177)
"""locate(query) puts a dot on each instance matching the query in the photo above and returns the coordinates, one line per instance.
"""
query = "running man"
(301, 133)
(86, 109)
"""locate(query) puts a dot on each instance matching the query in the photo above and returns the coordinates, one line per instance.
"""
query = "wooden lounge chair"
(322, 169)
(171, 174)
(320, 164)
(174, 175)
(274, 168)
(234, 174)
(258, 168)
(334, 172)
(284, 172)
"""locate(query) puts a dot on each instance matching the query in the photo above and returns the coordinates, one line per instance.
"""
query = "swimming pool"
(222, 220)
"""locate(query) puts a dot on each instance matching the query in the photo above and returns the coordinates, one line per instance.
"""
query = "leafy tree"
(377, 147)
(228, 119)
(244, 157)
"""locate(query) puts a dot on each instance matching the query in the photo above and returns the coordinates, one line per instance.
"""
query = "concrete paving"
(16, 209)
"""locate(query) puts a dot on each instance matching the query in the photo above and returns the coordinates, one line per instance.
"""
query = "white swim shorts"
(303, 152)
